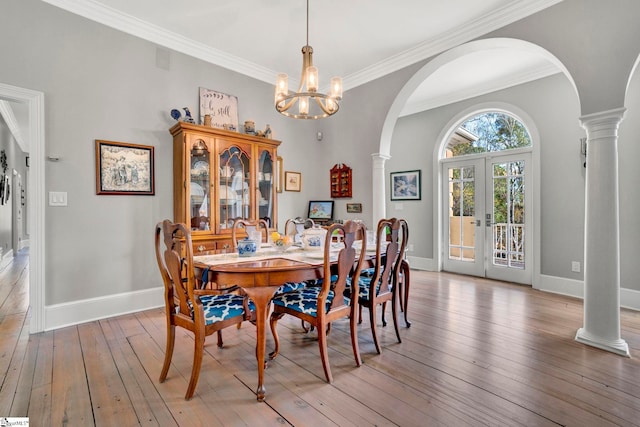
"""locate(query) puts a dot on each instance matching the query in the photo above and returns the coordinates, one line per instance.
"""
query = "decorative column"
(602, 235)
(378, 210)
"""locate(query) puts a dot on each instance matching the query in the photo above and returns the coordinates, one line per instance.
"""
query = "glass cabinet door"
(200, 186)
(234, 196)
(266, 178)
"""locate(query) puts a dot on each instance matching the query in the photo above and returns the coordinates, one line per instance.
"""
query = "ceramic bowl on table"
(247, 247)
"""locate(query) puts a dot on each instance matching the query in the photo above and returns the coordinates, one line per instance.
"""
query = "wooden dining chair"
(202, 312)
(248, 226)
(376, 285)
(320, 305)
(295, 227)
(402, 272)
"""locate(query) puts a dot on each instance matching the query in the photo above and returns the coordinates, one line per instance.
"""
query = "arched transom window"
(487, 132)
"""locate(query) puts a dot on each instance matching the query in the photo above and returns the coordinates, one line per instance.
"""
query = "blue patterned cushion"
(290, 287)
(304, 301)
(221, 307)
(364, 285)
(367, 272)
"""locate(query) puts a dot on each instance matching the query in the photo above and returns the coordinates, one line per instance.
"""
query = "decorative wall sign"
(222, 108)
(405, 185)
(123, 168)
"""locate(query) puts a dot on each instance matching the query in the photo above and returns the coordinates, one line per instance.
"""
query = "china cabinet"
(340, 175)
(218, 176)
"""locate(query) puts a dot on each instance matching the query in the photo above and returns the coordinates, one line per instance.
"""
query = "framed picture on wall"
(124, 169)
(405, 185)
(354, 207)
(292, 181)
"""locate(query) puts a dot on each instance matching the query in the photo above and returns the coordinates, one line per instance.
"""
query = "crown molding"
(129, 24)
(492, 21)
(545, 70)
(98, 12)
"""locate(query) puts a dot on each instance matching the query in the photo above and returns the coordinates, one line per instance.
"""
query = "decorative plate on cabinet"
(200, 168)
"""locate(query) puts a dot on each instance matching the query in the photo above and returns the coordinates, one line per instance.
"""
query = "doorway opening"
(487, 194)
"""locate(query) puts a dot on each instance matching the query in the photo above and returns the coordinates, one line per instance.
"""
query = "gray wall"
(102, 84)
(553, 106)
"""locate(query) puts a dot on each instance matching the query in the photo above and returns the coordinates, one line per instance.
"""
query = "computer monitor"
(320, 210)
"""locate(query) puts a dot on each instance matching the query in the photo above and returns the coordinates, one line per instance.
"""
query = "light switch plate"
(57, 198)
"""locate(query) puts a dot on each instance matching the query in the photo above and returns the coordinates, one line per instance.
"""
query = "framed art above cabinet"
(340, 176)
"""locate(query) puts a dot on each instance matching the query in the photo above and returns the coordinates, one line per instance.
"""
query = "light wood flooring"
(478, 353)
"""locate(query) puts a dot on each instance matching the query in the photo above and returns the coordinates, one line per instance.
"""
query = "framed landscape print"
(123, 168)
(405, 185)
(354, 207)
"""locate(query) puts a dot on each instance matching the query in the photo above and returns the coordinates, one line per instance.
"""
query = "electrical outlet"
(410, 248)
(575, 266)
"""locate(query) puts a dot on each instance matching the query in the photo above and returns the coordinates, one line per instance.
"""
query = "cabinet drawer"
(202, 246)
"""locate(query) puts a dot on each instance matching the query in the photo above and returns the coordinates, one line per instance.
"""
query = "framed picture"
(123, 168)
(279, 174)
(320, 210)
(223, 108)
(292, 181)
(354, 207)
(405, 185)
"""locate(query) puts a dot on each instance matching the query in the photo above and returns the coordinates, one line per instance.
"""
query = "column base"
(619, 347)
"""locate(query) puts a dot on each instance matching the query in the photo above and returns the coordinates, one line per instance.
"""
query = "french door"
(487, 217)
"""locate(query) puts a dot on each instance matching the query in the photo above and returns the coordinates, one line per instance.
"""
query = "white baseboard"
(417, 263)
(76, 312)
(24, 243)
(629, 298)
(6, 258)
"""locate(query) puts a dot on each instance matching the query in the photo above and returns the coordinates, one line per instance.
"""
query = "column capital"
(603, 124)
(379, 160)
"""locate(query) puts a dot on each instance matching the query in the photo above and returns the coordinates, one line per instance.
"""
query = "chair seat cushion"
(304, 301)
(364, 288)
(221, 307)
(290, 287)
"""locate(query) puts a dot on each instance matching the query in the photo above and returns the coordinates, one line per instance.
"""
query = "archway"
(379, 197)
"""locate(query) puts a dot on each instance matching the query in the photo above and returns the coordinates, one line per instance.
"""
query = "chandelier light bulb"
(312, 79)
(303, 105)
(336, 88)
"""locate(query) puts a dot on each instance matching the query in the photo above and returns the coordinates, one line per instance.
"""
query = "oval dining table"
(260, 276)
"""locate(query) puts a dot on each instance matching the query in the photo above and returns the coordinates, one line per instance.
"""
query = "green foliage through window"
(494, 131)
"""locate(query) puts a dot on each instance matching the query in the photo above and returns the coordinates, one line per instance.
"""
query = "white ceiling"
(359, 40)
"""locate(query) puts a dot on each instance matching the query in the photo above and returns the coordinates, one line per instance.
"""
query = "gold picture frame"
(292, 181)
(279, 174)
(124, 169)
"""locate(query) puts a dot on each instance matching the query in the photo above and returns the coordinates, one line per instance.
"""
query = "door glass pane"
(462, 214)
(234, 186)
(508, 214)
(265, 187)
(200, 185)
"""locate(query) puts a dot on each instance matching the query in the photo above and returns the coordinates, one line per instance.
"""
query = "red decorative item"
(340, 181)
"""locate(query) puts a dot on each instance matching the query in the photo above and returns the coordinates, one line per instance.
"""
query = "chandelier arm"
(322, 106)
(288, 104)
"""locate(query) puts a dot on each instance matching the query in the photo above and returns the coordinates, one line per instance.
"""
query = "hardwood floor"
(478, 353)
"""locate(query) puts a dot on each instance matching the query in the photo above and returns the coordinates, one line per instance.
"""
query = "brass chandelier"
(311, 104)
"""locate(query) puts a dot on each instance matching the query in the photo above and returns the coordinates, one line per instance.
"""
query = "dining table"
(260, 276)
